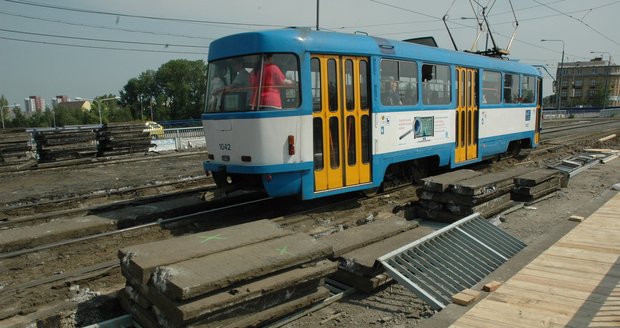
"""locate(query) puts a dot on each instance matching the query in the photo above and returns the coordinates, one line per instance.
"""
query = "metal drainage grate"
(576, 164)
(451, 259)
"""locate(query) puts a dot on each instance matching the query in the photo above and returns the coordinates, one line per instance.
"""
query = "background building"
(34, 104)
(83, 105)
(588, 83)
(59, 99)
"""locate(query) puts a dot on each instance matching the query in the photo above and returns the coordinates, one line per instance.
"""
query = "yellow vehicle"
(155, 130)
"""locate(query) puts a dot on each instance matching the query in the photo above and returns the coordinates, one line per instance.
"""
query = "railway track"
(27, 276)
(40, 210)
(66, 263)
(29, 273)
(97, 161)
(91, 184)
(574, 135)
(298, 217)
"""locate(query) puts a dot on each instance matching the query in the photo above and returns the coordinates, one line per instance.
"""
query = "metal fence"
(580, 112)
(610, 112)
(181, 138)
(192, 132)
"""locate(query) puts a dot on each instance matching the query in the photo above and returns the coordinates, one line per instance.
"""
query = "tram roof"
(301, 40)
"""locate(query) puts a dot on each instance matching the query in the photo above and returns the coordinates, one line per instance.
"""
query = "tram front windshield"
(255, 82)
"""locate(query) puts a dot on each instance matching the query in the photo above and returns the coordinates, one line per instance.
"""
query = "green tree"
(71, 116)
(40, 119)
(175, 91)
(19, 119)
(5, 110)
(139, 93)
(120, 114)
(183, 83)
(108, 107)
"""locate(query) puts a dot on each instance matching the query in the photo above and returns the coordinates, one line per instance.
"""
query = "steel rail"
(574, 126)
(160, 222)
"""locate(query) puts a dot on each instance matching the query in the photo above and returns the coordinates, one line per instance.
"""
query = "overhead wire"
(463, 26)
(102, 27)
(405, 9)
(581, 20)
(104, 40)
(100, 47)
(117, 14)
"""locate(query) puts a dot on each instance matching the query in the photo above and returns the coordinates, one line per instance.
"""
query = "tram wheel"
(514, 148)
(372, 191)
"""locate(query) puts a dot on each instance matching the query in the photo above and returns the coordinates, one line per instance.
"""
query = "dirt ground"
(36, 185)
(538, 225)
(393, 306)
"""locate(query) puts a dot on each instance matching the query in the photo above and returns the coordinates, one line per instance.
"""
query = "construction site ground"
(538, 225)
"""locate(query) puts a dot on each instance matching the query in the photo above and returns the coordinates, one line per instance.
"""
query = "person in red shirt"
(273, 79)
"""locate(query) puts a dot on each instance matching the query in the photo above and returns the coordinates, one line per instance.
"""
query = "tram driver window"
(246, 83)
(436, 84)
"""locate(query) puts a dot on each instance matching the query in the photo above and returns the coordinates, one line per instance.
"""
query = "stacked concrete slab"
(539, 183)
(239, 276)
(457, 194)
(15, 149)
(60, 144)
(122, 138)
(357, 249)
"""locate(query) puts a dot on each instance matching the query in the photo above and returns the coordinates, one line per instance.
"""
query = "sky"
(89, 48)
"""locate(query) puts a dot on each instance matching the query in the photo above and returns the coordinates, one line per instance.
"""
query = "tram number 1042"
(224, 146)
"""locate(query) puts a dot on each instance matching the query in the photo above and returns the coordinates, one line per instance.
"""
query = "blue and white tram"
(334, 127)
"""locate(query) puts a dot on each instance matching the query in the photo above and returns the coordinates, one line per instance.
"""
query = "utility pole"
(317, 15)
(558, 91)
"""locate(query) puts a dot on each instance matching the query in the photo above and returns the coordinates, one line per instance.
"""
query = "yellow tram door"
(466, 115)
(538, 112)
(341, 121)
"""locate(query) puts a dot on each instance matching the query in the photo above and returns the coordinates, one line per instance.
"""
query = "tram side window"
(436, 84)
(408, 82)
(491, 87)
(528, 88)
(315, 80)
(399, 82)
(389, 76)
(511, 88)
